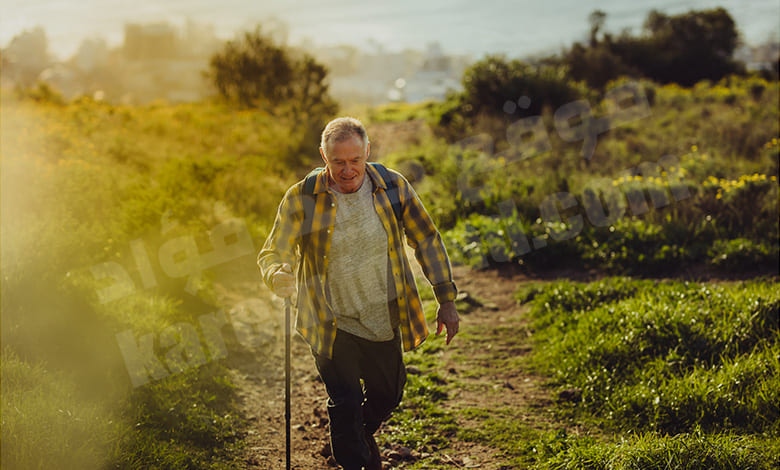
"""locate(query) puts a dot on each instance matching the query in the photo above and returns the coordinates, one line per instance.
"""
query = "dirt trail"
(259, 375)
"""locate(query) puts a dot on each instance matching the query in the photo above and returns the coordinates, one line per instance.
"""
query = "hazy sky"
(461, 26)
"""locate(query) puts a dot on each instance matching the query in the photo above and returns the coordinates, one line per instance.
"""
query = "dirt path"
(258, 373)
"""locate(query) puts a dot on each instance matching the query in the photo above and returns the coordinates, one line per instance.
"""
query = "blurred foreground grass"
(91, 195)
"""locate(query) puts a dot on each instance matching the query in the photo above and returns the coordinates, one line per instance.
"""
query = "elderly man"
(341, 231)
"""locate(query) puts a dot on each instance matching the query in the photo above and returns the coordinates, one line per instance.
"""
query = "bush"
(741, 253)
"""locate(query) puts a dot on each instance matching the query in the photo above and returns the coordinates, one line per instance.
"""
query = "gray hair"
(341, 129)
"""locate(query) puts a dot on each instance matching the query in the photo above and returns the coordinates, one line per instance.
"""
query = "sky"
(516, 28)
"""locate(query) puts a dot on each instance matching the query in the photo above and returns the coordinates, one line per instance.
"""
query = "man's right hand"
(283, 281)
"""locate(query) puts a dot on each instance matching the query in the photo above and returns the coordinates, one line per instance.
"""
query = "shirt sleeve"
(281, 246)
(424, 238)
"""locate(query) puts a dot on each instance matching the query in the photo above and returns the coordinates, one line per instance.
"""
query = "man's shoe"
(375, 460)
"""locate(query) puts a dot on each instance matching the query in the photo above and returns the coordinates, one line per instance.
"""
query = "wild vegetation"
(691, 179)
(86, 184)
(109, 213)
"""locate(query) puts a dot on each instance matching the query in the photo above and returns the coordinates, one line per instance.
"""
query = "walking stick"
(287, 354)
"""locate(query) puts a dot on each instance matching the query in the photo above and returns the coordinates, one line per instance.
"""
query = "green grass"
(685, 375)
(671, 356)
(652, 451)
(420, 422)
(46, 420)
(672, 375)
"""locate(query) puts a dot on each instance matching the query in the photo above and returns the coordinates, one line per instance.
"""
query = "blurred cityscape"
(161, 61)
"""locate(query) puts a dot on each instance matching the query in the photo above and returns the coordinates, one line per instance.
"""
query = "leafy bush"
(741, 252)
(494, 89)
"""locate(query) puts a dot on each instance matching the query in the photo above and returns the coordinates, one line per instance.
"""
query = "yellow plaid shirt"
(286, 243)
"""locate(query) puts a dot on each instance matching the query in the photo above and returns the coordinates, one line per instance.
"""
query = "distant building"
(376, 77)
(438, 75)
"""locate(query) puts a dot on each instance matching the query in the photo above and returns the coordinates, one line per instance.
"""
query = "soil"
(258, 373)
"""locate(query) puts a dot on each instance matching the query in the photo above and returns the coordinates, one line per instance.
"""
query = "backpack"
(309, 200)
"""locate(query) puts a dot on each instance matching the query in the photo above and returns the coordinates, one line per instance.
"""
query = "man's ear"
(322, 154)
(368, 150)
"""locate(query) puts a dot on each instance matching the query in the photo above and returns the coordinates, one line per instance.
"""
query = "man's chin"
(350, 186)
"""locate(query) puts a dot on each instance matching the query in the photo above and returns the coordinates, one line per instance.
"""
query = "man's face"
(346, 163)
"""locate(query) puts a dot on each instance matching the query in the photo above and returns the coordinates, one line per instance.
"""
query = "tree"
(254, 72)
(596, 20)
(27, 56)
(685, 48)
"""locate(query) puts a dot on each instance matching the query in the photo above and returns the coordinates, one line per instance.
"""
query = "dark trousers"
(356, 410)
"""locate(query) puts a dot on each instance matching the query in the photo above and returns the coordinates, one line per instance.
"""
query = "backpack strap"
(392, 189)
(309, 199)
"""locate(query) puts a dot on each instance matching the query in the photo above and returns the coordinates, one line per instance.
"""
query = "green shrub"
(741, 253)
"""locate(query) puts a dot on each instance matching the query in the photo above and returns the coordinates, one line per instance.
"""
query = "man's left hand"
(447, 317)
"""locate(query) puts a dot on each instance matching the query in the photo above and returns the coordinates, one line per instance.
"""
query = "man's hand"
(447, 316)
(283, 281)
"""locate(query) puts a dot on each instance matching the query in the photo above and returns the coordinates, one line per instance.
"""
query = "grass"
(670, 375)
(89, 184)
(669, 357)
(45, 419)
(420, 422)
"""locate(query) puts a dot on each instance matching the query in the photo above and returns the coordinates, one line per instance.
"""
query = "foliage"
(655, 451)
(656, 195)
(684, 49)
(495, 87)
(255, 72)
(741, 252)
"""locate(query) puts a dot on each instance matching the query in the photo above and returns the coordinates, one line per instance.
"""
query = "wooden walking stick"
(287, 354)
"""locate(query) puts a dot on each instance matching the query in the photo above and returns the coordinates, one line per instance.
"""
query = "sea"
(519, 28)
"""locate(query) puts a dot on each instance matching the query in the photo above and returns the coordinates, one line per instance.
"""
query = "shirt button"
(332, 204)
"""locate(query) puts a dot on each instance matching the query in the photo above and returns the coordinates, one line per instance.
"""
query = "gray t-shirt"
(357, 269)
